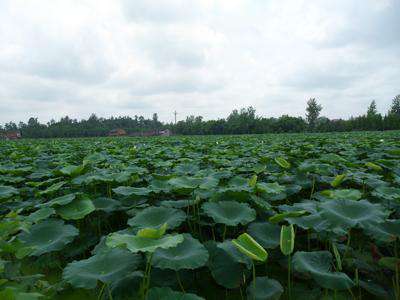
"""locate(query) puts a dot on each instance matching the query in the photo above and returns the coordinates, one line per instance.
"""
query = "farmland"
(290, 216)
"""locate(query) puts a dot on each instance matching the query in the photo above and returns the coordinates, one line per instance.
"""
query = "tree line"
(243, 121)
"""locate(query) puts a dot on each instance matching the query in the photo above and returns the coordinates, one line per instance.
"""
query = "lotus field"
(303, 216)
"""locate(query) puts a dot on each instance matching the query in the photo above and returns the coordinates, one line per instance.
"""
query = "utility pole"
(175, 113)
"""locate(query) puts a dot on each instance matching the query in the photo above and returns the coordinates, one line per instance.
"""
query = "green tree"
(395, 107)
(372, 109)
(313, 110)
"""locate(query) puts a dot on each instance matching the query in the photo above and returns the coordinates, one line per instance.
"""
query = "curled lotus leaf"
(231, 213)
(154, 217)
(48, 236)
(318, 265)
(136, 243)
(107, 267)
(190, 254)
(247, 245)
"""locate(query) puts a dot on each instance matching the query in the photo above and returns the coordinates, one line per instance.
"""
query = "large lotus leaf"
(166, 293)
(345, 194)
(190, 254)
(179, 203)
(387, 231)
(189, 183)
(48, 236)
(265, 233)
(129, 191)
(7, 192)
(40, 214)
(230, 213)
(72, 170)
(143, 244)
(270, 188)
(224, 268)
(53, 188)
(77, 209)
(318, 265)
(264, 289)
(313, 221)
(154, 217)
(107, 267)
(234, 253)
(287, 214)
(387, 193)
(352, 213)
(63, 200)
(107, 205)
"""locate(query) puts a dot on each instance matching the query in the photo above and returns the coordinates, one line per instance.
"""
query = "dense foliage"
(291, 216)
(244, 121)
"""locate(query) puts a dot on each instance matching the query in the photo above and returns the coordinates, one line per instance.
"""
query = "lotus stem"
(179, 281)
(109, 293)
(396, 254)
(313, 187)
(100, 296)
(289, 279)
(224, 233)
(254, 279)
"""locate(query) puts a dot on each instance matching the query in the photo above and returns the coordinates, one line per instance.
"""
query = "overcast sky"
(199, 57)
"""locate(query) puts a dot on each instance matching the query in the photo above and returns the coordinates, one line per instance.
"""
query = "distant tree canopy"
(243, 121)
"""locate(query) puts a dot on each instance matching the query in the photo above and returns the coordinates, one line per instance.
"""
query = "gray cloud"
(198, 57)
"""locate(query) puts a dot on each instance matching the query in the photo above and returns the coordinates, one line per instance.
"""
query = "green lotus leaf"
(142, 244)
(154, 233)
(129, 191)
(225, 269)
(247, 245)
(53, 188)
(107, 205)
(180, 203)
(338, 180)
(230, 213)
(63, 200)
(72, 170)
(282, 162)
(40, 214)
(234, 253)
(77, 209)
(345, 194)
(106, 267)
(167, 293)
(265, 233)
(253, 181)
(387, 193)
(190, 254)
(387, 231)
(349, 213)
(373, 166)
(287, 239)
(264, 289)
(288, 214)
(48, 236)
(318, 265)
(390, 263)
(273, 188)
(7, 192)
(154, 217)
(374, 289)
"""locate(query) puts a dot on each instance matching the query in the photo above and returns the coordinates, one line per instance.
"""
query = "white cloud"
(197, 57)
